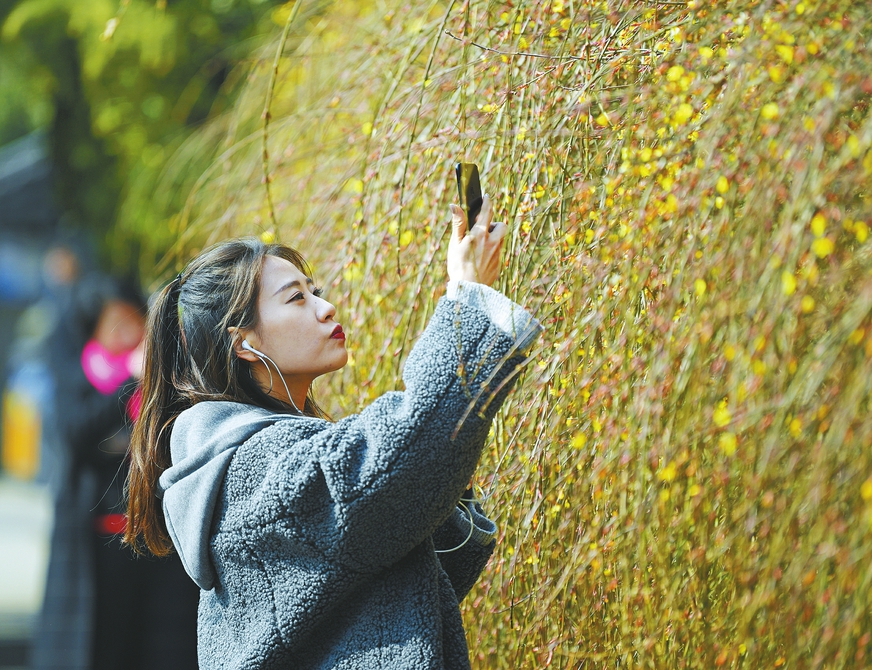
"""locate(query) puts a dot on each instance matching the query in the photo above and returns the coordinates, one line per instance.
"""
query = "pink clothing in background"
(107, 372)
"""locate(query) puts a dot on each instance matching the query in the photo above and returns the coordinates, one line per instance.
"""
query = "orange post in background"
(22, 428)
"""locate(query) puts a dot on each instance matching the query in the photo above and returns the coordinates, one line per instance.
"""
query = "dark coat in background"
(99, 610)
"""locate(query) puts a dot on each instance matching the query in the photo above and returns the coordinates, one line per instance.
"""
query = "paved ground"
(25, 524)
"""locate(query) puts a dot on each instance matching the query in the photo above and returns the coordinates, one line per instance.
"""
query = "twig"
(510, 53)
(266, 115)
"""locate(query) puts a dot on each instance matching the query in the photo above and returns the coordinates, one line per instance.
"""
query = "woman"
(316, 543)
(103, 608)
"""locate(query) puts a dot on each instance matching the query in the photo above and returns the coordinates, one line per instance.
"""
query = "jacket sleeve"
(464, 544)
(366, 490)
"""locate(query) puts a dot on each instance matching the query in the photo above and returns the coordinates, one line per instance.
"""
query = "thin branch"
(266, 114)
(509, 53)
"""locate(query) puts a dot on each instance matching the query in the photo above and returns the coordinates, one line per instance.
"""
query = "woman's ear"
(239, 336)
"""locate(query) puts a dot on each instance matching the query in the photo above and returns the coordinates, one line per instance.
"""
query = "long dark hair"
(189, 358)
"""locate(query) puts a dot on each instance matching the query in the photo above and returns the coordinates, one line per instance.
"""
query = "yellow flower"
(729, 352)
(788, 282)
(786, 53)
(776, 73)
(822, 247)
(861, 230)
(796, 427)
(668, 473)
(727, 443)
(866, 490)
(699, 286)
(579, 440)
(694, 490)
(267, 237)
(807, 303)
(818, 225)
(723, 184)
(722, 417)
(675, 73)
(706, 53)
(602, 120)
(683, 114)
(354, 185)
(352, 272)
(770, 111)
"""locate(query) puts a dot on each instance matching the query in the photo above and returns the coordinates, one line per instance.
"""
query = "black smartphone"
(469, 189)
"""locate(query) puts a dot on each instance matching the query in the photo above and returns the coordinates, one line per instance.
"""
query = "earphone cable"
(468, 537)
(261, 356)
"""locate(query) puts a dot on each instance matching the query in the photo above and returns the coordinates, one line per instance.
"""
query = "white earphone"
(262, 356)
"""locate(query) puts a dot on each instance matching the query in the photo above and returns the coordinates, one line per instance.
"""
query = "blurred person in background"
(103, 608)
(31, 447)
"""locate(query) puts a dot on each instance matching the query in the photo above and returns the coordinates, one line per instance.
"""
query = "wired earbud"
(245, 345)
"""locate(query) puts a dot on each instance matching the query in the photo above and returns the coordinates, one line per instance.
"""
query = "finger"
(458, 222)
(486, 215)
(498, 230)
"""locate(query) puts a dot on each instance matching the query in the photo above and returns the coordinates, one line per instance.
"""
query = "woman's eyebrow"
(293, 282)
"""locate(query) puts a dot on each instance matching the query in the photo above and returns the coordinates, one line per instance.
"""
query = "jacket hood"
(203, 441)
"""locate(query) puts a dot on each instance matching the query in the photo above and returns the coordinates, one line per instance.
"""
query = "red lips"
(337, 333)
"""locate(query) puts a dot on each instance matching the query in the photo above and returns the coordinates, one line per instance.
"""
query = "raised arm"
(366, 490)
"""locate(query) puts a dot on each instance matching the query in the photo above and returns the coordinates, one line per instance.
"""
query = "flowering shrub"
(685, 478)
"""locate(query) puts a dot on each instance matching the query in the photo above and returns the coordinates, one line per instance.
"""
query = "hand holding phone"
(474, 253)
(469, 190)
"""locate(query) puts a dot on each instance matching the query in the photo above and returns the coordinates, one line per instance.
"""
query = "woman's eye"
(317, 292)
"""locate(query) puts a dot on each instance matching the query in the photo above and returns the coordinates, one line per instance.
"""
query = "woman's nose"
(328, 311)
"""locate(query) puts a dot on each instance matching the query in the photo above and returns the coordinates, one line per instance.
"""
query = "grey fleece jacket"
(316, 544)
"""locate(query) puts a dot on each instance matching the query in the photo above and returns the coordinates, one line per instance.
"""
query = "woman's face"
(295, 327)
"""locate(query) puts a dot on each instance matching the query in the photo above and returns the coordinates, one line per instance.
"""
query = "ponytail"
(149, 443)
